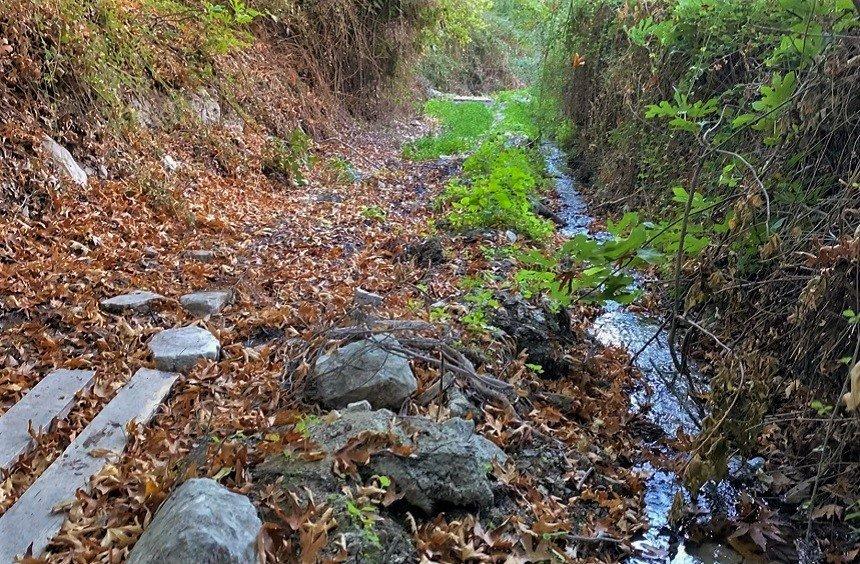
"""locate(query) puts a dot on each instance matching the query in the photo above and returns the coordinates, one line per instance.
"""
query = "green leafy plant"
(303, 425)
(365, 517)
(496, 190)
(374, 213)
(646, 29)
(343, 169)
(821, 408)
(768, 109)
(224, 23)
(288, 158)
(683, 114)
(481, 300)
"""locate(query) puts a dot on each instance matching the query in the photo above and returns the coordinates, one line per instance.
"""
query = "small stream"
(663, 390)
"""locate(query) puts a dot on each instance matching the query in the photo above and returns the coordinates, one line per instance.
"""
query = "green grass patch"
(502, 175)
(463, 124)
(518, 114)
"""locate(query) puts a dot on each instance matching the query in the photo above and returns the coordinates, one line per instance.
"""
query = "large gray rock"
(139, 301)
(449, 464)
(63, 160)
(364, 370)
(203, 522)
(178, 350)
(206, 303)
(314, 479)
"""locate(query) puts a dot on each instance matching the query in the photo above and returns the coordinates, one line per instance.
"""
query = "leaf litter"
(293, 257)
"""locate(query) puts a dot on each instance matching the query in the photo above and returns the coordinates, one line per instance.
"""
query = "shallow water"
(663, 395)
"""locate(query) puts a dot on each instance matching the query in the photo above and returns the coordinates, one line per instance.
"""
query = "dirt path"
(293, 257)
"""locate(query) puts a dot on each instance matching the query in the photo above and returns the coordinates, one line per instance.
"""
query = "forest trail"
(285, 266)
(599, 303)
(240, 297)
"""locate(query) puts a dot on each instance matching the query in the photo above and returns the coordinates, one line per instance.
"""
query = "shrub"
(496, 191)
(288, 158)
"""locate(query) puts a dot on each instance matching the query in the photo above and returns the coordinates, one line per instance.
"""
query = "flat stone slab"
(365, 298)
(201, 255)
(139, 301)
(178, 350)
(206, 303)
(202, 521)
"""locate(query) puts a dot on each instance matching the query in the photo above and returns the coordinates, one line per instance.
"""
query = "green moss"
(306, 423)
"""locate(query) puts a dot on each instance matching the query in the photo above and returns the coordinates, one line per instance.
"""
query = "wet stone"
(139, 301)
(178, 350)
(206, 303)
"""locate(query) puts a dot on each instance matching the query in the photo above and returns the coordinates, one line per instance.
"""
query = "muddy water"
(663, 395)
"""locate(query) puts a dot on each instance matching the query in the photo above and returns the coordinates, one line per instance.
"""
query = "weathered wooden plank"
(49, 400)
(32, 519)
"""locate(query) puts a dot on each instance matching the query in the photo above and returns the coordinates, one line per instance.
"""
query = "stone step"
(206, 303)
(139, 301)
(180, 349)
(48, 401)
(33, 520)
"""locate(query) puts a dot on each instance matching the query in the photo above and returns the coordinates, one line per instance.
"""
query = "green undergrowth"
(504, 171)
(742, 113)
(596, 269)
(102, 49)
(496, 45)
(496, 188)
(462, 125)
